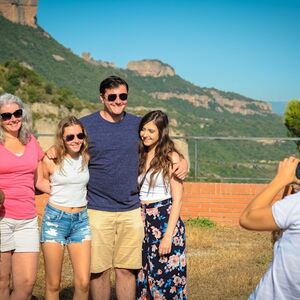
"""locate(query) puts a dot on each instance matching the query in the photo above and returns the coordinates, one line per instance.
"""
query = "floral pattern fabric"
(162, 277)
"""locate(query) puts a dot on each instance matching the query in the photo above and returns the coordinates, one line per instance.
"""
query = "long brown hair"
(59, 144)
(162, 160)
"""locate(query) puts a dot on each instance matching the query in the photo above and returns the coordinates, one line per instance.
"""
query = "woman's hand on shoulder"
(51, 153)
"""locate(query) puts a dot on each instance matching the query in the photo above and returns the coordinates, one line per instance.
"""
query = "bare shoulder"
(47, 160)
(175, 157)
(48, 164)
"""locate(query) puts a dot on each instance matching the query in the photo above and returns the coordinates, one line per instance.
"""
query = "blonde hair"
(25, 130)
(60, 146)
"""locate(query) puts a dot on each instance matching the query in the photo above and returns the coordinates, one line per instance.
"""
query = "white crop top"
(160, 191)
(68, 184)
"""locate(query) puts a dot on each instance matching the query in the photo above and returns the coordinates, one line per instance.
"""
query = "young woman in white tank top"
(163, 275)
(65, 220)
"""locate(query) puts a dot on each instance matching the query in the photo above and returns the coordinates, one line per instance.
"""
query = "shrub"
(49, 88)
(36, 116)
(9, 88)
(200, 222)
(33, 94)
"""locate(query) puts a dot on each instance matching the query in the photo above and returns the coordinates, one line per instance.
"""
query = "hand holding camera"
(288, 171)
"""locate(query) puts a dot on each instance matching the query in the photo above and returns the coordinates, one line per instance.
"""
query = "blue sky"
(248, 47)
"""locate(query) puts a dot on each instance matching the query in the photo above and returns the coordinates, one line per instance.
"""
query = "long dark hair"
(162, 160)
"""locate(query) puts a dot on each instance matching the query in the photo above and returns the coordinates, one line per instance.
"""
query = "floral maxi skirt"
(162, 277)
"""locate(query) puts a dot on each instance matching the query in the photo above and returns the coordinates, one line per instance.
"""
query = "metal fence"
(231, 159)
(236, 159)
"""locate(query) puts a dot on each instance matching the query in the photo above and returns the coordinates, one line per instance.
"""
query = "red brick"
(226, 188)
(221, 202)
(238, 189)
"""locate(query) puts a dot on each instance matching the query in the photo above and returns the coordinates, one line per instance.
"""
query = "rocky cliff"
(88, 58)
(215, 99)
(151, 67)
(20, 11)
(208, 98)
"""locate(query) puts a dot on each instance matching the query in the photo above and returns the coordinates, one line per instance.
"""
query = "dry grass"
(223, 263)
(226, 263)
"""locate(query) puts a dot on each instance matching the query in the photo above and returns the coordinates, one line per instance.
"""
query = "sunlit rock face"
(151, 67)
(20, 11)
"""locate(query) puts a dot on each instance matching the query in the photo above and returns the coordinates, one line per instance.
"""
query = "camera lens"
(298, 171)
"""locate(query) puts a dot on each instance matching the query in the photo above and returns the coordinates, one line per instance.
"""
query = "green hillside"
(32, 88)
(60, 68)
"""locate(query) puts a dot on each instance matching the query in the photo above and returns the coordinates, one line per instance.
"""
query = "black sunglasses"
(113, 97)
(7, 116)
(71, 137)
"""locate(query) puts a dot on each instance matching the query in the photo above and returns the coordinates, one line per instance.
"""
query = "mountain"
(193, 110)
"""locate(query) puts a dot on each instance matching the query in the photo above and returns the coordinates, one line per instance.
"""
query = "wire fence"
(231, 159)
(236, 159)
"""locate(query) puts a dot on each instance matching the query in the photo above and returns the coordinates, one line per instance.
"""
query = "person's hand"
(286, 172)
(2, 197)
(51, 153)
(165, 245)
(180, 169)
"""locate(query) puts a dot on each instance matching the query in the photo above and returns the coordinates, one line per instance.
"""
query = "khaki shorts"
(19, 235)
(117, 239)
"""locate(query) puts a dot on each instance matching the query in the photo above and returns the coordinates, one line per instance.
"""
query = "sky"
(250, 47)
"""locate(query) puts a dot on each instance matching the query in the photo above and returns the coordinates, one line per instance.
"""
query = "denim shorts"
(64, 227)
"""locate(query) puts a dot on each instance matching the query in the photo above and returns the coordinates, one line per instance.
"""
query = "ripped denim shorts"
(64, 227)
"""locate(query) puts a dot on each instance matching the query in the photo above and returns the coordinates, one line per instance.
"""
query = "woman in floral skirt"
(163, 275)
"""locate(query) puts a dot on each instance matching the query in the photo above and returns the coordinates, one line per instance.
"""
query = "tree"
(292, 119)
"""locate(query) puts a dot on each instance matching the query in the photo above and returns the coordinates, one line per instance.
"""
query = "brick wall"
(220, 202)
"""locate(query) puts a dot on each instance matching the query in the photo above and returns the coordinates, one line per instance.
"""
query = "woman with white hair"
(20, 171)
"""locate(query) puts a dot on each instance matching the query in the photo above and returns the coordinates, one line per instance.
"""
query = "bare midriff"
(68, 209)
(151, 201)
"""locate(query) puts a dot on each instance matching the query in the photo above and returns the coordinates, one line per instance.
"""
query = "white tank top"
(68, 184)
(160, 191)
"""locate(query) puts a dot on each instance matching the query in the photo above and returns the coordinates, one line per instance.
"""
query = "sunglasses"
(113, 97)
(7, 116)
(71, 137)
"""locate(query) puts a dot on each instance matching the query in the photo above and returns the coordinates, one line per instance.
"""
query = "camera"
(298, 171)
